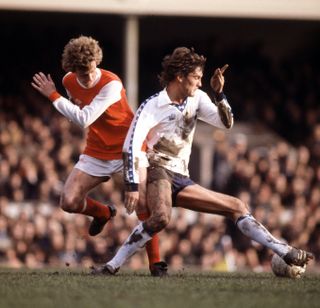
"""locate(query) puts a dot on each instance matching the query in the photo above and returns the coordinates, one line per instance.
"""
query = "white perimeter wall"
(275, 9)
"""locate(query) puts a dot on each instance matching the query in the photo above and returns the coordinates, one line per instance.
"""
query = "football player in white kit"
(167, 122)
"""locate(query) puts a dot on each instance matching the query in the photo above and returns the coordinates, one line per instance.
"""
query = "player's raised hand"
(217, 79)
(44, 84)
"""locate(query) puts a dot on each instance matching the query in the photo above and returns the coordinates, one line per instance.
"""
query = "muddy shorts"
(178, 181)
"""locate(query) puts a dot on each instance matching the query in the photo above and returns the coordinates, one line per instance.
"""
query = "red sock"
(95, 209)
(152, 246)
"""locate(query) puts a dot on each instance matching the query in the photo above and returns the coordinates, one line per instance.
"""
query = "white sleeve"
(208, 111)
(108, 95)
(140, 126)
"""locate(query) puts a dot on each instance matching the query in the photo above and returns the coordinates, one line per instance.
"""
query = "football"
(282, 269)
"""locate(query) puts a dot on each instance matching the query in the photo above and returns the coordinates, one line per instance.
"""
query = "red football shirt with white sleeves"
(104, 109)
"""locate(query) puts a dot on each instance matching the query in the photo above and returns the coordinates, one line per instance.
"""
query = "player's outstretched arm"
(44, 84)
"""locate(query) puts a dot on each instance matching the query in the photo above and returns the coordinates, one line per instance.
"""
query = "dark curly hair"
(182, 61)
(80, 52)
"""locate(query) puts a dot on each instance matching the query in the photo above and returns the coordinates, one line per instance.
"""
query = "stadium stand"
(279, 180)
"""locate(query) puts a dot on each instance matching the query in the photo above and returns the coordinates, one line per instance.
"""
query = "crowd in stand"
(281, 184)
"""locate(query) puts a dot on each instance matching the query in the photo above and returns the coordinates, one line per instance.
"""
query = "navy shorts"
(178, 181)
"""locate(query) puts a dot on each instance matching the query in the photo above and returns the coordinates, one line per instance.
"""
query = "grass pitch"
(72, 288)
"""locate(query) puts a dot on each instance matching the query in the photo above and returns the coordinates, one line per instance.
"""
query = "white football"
(282, 269)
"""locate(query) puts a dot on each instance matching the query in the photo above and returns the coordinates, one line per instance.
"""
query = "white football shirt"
(168, 129)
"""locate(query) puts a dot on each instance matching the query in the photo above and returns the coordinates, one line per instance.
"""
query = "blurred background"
(271, 158)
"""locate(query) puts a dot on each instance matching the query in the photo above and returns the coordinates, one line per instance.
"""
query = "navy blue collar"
(182, 106)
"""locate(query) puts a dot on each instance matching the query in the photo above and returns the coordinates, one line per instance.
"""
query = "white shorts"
(98, 167)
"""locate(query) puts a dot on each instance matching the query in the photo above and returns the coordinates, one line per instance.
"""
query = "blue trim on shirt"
(130, 154)
(182, 106)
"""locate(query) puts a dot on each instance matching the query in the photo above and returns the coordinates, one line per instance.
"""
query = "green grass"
(71, 288)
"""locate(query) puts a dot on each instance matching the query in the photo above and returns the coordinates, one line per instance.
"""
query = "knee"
(69, 203)
(164, 220)
(160, 221)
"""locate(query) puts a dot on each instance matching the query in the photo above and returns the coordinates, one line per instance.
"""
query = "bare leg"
(143, 213)
(117, 179)
(75, 190)
(74, 200)
(159, 201)
(199, 199)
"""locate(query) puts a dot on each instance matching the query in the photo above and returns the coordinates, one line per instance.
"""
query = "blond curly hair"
(80, 52)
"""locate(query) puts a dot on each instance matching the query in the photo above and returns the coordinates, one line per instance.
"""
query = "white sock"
(136, 240)
(257, 232)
